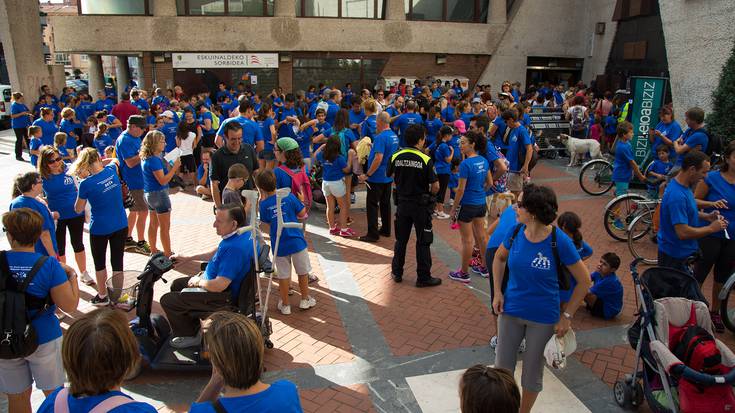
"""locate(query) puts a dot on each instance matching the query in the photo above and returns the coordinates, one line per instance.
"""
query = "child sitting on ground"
(292, 247)
(485, 389)
(605, 299)
(657, 171)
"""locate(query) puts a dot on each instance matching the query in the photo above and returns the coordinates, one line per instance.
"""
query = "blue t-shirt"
(232, 260)
(303, 138)
(454, 143)
(48, 130)
(508, 221)
(292, 239)
(491, 155)
(719, 188)
(128, 146)
(85, 404)
(332, 109)
(611, 124)
(150, 165)
(659, 167)
(169, 131)
(21, 121)
(104, 104)
(672, 131)
(533, 284)
(500, 132)
(610, 291)
(622, 170)
(67, 126)
(324, 128)
(102, 142)
(432, 129)
(518, 138)
(677, 207)
(61, 194)
(386, 142)
(585, 251)
(694, 139)
(441, 166)
(280, 397)
(34, 145)
(104, 194)
(474, 170)
(117, 131)
(403, 122)
(84, 110)
(50, 275)
(200, 173)
(369, 127)
(208, 116)
(453, 180)
(283, 180)
(23, 201)
(356, 119)
(141, 104)
(466, 117)
(265, 130)
(447, 114)
(250, 130)
(285, 130)
(332, 169)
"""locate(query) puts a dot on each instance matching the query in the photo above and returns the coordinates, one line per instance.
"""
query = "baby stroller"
(670, 302)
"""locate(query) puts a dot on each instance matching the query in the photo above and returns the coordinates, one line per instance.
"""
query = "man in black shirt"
(416, 184)
(232, 152)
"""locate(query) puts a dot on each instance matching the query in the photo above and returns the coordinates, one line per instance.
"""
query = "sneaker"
(481, 271)
(442, 215)
(313, 278)
(185, 342)
(618, 225)
(86, 279)
(98, 301)
(522, 347)
(334, 231)
(130, 243)
(284, 309)
(307, 303)
(142, 247)
(347, 233)
(493, 342)
(717, 322)
(476, 261)
(353, 198)
(460, 276)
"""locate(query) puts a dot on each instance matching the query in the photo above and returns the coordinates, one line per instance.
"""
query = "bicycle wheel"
(727, 310)
(642, 238)
(620, 212)
(595, 178)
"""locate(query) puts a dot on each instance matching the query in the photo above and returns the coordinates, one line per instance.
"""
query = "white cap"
(168, 114)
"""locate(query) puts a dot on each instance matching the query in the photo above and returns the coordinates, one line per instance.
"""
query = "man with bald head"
(385, 143)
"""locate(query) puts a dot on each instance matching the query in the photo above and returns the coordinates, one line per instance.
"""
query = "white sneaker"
(284, 309)
(307, 303)
(442, 215)
(522, 347)
(86, 279)
(493, 342)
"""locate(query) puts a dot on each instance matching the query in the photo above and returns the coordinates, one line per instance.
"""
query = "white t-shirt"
(186, 145)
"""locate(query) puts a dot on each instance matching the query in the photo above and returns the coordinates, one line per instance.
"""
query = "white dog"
(578, 147)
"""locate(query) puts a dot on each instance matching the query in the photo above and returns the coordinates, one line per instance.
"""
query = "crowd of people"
(435, 151)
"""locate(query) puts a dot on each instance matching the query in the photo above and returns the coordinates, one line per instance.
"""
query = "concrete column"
(142, 81)
(163, 8)
(498, 12)
(122, 70)
(96, 75)
(284, 8)
(395, 10)
(20, 31)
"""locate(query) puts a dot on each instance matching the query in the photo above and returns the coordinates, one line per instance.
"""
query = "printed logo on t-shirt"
(68, 180)
(541, 262)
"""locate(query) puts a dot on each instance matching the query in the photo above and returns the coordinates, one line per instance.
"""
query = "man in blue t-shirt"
(680, 227)
(694, 138)
(251, 133)
(385, 143)
(127, 148)
(520, 150)
(218, 286)
(405, 120)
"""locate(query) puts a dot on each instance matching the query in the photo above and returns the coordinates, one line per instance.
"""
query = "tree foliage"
(721, 121)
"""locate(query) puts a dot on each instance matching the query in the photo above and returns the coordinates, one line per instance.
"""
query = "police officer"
(416, 185)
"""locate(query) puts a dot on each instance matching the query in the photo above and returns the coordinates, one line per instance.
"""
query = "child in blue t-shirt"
(443, 156)
(605, 299)
(625, 165)
(658, 170)
(610, 125)
(292, 248)
(34, 146)
(453, 180)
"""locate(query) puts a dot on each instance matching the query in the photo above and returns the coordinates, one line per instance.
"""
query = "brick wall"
(423, 65)
(285, 76)
(162, 74)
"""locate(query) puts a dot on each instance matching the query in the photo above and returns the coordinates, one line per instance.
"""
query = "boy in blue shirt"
(292, 247)
(443, 156)
(658, 170)
(34, 146)
(624, 166)
(605, 299)
(453, 180)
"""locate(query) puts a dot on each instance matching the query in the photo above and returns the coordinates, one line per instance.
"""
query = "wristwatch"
(567, 315)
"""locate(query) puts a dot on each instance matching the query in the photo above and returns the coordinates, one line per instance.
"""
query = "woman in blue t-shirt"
(61, 192)
(529, 305)
(47, 125)
(156, 176)
(334, 168)
(92, 341)
(26, 191)
(20, 120)
(718, 249)
(23, 227)
(235, 385)
(469, 205)
(108, 224)
(267, 124)
(665, 133)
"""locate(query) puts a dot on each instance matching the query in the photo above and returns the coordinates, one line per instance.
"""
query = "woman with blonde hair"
(108, 224)
(61, 194)
(156, 176)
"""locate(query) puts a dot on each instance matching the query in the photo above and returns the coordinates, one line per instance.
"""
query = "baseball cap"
(168, 114)
(476, 100)
(287, 144)
(459, 124)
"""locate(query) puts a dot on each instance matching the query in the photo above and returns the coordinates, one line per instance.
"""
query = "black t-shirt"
(223, 159)
(413, 173)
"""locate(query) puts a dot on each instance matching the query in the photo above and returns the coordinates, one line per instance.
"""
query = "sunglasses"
(50, 161)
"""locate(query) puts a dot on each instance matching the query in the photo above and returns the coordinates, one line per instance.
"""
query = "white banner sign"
(224, 60)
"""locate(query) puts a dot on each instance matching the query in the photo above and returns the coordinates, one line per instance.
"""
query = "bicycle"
(621, 211)
(642, 233)
(595, 177)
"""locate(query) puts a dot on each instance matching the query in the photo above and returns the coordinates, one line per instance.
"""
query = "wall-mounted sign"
(224, 60)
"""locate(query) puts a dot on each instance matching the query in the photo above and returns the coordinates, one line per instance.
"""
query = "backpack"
(714, 143)
(215, 121)
(697, 349)
(18, 338)
(61, 403)
(562, 272)
(300, 185)
(578, 122)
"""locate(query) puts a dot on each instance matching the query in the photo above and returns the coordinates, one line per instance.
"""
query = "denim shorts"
(158, 201)
(267, 155)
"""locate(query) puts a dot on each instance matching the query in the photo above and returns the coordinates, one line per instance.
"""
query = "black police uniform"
(413, 174)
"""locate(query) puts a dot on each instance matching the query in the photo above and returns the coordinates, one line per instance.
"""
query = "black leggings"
(717, 252)
(443, 183)
(98, 244)
(21, 135)
(76, 229)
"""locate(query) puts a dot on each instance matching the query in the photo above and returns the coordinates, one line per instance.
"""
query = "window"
(470, 11)
(360, 72)
(356, 9)
(119, 7)
(62, 59)
(224, 7)
(84, 57)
